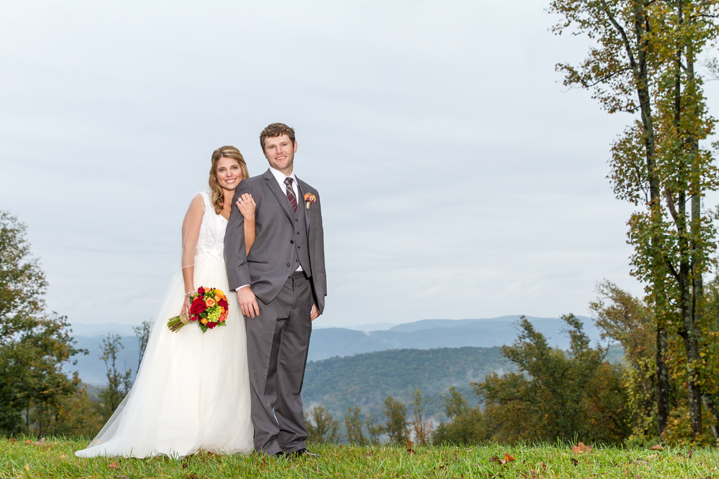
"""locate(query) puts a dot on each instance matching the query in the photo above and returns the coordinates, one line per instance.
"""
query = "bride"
(192, 389)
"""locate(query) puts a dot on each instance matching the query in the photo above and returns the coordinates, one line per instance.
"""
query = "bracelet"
(190, 293)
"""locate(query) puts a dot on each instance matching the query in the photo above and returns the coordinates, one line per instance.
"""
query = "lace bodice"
(211, 242)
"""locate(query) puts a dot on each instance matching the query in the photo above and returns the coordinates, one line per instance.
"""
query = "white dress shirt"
(280, 177)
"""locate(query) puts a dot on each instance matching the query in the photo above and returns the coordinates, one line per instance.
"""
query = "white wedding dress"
(192, 390)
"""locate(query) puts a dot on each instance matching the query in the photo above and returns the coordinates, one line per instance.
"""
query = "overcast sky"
(459, 178)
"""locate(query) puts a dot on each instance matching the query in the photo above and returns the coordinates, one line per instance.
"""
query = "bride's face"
(229, 173)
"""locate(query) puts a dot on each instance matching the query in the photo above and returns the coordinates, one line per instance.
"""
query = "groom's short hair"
(274, 130)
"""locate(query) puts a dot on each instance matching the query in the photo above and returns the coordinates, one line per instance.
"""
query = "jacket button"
(298, 233)
(292, 241)
(296, 220)
(288, 265)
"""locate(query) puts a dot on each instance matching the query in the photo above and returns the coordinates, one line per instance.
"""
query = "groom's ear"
(295, 146)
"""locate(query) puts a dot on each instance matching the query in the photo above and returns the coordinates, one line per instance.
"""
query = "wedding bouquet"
(208, 308)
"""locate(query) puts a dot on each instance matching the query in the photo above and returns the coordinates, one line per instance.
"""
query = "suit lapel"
(302, 204)
(277, 191)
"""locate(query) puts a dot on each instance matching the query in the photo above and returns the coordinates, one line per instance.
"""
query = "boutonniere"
(309, 199)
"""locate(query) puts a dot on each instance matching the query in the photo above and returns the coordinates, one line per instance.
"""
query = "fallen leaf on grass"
(507, 458)
(63, 456)
(192, 476)
(658, 447)
(581, 449)
(367, 454)
(27, 467)
(409, 447)
(575, 462)
(690, 453)
(533, 473)
(113, 466)
(28, 441)
(40, 442)
(12, 439)
(639, 461)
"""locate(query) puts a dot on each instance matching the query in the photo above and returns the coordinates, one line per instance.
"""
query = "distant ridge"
(439, 333)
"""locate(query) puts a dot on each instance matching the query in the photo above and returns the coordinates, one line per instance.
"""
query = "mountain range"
(342, 342)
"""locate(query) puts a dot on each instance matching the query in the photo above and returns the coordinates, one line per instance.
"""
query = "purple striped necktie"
(291, 194)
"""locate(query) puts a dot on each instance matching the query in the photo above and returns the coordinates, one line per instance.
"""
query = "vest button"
(298, 233)
(288, 265)
(292, 241)
(296, 220)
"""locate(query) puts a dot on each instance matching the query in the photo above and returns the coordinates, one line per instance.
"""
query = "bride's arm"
(190, 235)
(246, 205)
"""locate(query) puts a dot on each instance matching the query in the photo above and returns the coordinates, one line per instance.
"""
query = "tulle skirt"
(192, 390)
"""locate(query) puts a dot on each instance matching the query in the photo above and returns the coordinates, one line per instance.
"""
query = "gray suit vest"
(301, 251)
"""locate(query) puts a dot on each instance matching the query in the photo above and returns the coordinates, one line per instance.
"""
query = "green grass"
(55, 459)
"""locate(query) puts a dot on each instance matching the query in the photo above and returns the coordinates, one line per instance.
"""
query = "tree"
(554, 394)
(455, 405)
(421, 428)
(77, 415)
(466, 426)
(142, 333)
(619, 71)
(325, 428)
(374, 430)
(34, 344)
(643, 62)
(396, 425)
(628, 320)
(353, 423)
(118, 383)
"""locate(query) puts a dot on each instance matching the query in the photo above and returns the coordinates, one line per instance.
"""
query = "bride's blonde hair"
(218, 194)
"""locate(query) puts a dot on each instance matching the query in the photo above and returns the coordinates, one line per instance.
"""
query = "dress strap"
(207, 201)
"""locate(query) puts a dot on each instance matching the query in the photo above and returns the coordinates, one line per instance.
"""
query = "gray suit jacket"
(264, 269)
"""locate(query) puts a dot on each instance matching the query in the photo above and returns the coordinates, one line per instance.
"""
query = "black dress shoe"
(303, 453)
(280, 455)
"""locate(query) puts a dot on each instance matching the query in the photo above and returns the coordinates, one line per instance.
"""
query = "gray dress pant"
(277, 344)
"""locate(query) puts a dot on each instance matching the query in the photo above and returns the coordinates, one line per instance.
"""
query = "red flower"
(201, 291)
(223, 303)
(198, 306)
(211, 324)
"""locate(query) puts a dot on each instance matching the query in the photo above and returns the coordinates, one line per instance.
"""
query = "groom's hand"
(315, 312)
(248, 302)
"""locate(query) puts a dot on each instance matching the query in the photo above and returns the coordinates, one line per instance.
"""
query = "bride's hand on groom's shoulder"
(248, 302)
(246, 205)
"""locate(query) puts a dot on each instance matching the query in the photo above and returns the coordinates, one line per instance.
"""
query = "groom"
(281, 288)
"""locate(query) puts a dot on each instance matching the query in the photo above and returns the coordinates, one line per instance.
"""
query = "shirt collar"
(280, 177)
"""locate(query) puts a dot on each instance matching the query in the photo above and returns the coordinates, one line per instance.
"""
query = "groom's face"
(280, 152)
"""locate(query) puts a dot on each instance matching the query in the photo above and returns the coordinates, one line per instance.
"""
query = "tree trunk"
(642, 73)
